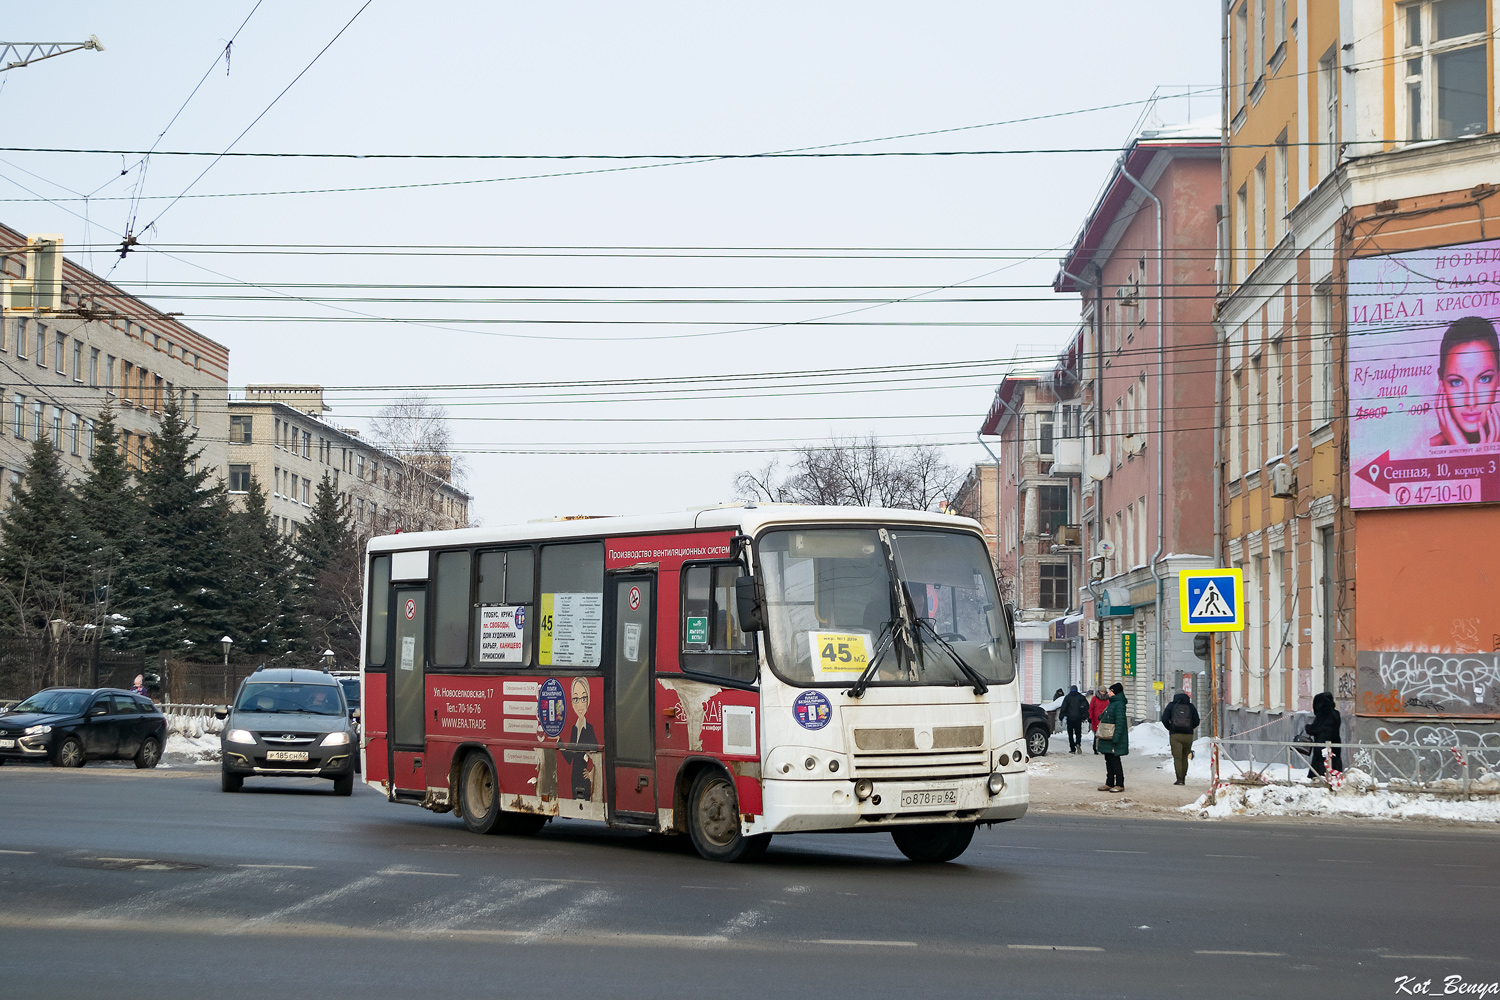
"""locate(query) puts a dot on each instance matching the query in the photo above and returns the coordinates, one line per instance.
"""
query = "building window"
(1044, 434)
(91, 440)
(1242, 50)
(41, 346)
(239, 428)
(306, 492)
(1283, 192)
(239, 478)
(1054, 586)
(1052, 508)
(1328, 83)
(57, 429)
(20, 416)
(1322, 350)
(307, 444)
(1444, 58)
(109, 373)
(1261, 212)
(21, 325)
(359, 467)
(94, 366)
(1260, 36)
(73, 433)
(195, 409)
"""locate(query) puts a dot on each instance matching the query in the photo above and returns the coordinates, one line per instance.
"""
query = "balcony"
(1067, 457)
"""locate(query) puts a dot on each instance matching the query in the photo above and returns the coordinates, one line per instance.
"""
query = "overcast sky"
(598, 78)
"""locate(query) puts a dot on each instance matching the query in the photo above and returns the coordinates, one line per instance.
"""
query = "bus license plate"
(286, 755)
(929, 797)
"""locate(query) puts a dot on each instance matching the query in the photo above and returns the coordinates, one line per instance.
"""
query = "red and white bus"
(727, 674)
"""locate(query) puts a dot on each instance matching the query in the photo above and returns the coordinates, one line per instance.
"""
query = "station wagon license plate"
(7, 744)
(928, 797)
(286, 755)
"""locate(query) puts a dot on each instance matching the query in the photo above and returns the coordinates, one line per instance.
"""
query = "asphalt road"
(121, 883)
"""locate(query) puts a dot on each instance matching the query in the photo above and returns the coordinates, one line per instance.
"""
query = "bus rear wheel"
(934, 843)
(478, 794)
(714, 821)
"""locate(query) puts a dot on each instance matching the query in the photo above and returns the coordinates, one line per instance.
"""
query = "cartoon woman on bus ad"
(581, 747)
(1468, 377)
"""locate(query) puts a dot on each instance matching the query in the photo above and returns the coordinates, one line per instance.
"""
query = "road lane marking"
(275, 916)
(745, 921)
(1346, 861)
(1243, 857)
(1256, 954)
(571, 916)
(404, 871)
(1053, 947)
(17, 852)
(494, 896)
(871, 944)
(1431, 958)
(159, 899)
(305, 868)
(1119, 852)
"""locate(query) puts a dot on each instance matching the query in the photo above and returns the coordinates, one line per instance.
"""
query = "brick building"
(70, 341)
(278, 434)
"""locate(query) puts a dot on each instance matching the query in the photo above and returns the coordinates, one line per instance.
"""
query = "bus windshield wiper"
(887, 634)
(980, 687)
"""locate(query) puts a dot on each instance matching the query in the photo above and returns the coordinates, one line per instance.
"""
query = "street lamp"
(328, 659)
(226, 642)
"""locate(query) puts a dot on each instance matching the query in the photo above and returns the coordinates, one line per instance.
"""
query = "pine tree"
(42, 558)
(110, 516)
(261, 580)
(180, 599)
(328, 580)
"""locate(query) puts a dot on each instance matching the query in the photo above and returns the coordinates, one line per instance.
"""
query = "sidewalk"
(1064, 782)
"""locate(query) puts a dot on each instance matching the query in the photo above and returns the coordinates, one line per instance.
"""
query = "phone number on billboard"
(1457, 491)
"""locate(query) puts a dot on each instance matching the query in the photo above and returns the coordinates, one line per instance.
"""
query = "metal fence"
(1465, 770)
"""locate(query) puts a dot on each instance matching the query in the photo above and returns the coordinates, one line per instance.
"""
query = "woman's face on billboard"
(1469, 384)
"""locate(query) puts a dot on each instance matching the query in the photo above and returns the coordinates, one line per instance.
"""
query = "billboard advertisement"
(1424, 369)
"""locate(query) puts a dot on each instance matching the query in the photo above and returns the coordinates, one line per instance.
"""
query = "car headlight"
(335, 739)
(239, 736)
(37, 730)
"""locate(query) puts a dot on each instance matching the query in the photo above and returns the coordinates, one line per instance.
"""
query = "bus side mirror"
(747, 602)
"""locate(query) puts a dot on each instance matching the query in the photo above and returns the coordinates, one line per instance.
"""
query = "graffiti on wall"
(1427, 751)
(1428, 684)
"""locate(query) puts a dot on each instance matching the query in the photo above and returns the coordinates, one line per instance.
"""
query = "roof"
(1152, 149)
(1003, 407)
(743, 518)
(299, 675)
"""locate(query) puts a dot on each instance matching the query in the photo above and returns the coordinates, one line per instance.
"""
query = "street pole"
(1213, 721)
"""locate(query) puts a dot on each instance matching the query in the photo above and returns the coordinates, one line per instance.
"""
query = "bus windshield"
(918, 604)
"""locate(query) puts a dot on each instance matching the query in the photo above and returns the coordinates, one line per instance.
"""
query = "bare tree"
(857, 473)
(415, 431)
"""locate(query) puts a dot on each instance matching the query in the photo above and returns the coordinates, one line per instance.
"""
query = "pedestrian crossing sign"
(1212, 600)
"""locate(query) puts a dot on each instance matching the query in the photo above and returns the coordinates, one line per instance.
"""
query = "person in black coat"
(1074, 710)
(1326, 727)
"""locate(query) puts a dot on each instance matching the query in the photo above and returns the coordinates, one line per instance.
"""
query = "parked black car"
(69, 726)
(1037, 725)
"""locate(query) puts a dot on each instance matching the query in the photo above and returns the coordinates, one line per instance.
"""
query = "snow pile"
(1360, 796)
(188, 750)
(1150, 739)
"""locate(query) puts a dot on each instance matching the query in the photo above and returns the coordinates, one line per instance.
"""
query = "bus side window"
(450, 632)
(570, 608)
(712, 642)
(380, 609)
(504, 618)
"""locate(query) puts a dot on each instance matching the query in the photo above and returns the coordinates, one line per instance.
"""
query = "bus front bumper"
(803, 806)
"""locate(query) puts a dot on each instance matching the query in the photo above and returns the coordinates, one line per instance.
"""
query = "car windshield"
(55, 703)
(272, 696)
(918, 603)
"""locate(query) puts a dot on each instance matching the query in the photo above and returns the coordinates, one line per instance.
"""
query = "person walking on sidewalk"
(1075, 708)
(1114, 739)
(1097, 704)
(1181, 719)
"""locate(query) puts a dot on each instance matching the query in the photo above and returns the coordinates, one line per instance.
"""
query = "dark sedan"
(1038, 726)
(69, 726)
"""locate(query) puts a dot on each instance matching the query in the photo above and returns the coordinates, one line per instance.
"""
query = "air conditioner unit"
(1093, 632)
(1096, 569)
(1283, 482)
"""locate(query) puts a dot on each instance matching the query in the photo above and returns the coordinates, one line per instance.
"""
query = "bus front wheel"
(714, 821)
(934, 843)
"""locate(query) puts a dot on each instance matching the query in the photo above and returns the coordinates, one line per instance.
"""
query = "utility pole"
(14, 55)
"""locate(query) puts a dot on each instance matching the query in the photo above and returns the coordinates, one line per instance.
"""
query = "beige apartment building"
(70, 341)
(278, 434)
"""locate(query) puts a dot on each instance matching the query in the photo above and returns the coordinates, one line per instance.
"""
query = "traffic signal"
(1202, 645)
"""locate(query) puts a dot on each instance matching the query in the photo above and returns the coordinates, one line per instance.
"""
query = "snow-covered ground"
(191, 739)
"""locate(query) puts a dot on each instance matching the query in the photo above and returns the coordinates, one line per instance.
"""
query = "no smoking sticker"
(635, 598)
(411, 609)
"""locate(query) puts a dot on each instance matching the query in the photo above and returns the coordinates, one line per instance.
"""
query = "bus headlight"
(996, 784)
(863, 788)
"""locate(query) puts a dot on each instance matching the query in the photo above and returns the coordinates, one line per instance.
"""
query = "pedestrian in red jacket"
(1097, 704)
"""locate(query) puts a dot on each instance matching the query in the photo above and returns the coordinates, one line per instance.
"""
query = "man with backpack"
(1181, 719)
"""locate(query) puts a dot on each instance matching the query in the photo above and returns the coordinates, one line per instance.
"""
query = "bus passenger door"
(408, 723)
(630, 676)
